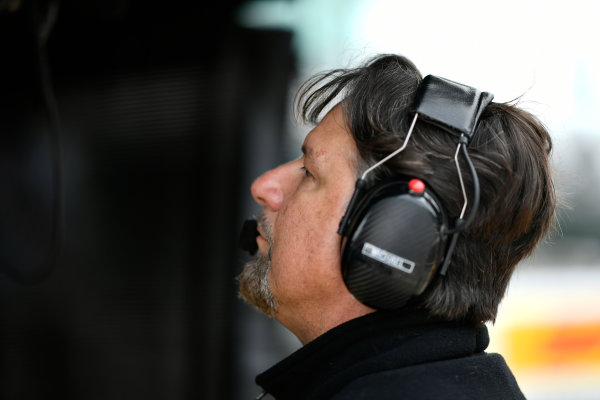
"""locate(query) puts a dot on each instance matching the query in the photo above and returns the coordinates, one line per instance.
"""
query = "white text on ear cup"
(387, 258)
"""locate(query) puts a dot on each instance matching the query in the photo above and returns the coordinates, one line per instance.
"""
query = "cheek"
(298, 230)
(306, 238)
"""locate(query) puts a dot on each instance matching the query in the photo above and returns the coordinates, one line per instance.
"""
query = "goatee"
(254, 278)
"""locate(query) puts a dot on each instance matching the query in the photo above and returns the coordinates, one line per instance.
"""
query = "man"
(432, 345)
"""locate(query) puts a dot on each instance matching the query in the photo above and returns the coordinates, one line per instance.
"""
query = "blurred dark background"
(130, 132)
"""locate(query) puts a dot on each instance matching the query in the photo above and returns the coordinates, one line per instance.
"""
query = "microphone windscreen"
(248, 236)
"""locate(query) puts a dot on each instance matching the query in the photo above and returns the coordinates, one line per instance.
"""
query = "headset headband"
(455, 108)
(452, 106)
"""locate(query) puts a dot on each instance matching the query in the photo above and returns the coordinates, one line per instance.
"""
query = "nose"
(268, 188)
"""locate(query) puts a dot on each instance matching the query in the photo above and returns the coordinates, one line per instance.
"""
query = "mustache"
(265, 229)
(264, 226)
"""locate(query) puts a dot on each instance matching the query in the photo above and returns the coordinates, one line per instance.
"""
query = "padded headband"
(452, 106)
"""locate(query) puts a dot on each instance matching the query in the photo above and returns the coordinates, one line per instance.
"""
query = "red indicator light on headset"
(416, 186)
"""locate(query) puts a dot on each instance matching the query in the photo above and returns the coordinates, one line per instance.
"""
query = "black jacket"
(394, 355)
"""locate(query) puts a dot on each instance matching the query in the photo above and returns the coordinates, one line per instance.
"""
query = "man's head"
(510, 152)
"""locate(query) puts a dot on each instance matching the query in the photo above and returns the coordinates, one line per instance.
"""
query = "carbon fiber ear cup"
(395, 246)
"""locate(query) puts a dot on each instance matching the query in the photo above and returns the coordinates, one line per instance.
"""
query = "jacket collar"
(381, 340)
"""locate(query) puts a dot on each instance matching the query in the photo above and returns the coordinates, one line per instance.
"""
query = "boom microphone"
(248, 236)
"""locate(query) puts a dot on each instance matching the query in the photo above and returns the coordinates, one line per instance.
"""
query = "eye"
(306, 171)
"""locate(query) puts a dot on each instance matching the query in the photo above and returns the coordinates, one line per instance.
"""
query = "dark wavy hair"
(510, 151)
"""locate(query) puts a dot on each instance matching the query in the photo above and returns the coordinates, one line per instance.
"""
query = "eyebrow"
(307, 151)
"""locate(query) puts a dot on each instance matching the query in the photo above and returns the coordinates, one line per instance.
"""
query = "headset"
(396, 234)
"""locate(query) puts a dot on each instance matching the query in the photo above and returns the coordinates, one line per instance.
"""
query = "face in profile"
(299, 261)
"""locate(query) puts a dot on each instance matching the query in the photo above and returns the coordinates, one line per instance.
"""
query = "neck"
(309, 321)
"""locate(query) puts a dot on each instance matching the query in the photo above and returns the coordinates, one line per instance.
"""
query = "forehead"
(331, 138)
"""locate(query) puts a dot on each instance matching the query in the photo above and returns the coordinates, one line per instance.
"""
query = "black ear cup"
(395, 245)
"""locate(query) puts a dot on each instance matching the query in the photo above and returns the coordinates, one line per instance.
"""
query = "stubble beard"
(254, 278)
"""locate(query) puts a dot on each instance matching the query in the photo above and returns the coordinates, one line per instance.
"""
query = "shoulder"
(482, 376)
